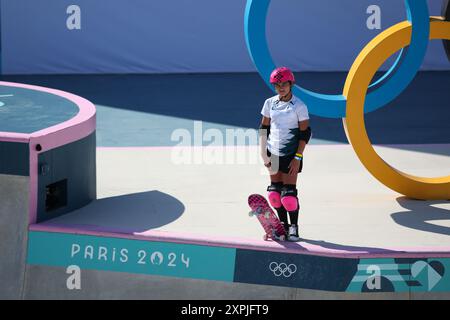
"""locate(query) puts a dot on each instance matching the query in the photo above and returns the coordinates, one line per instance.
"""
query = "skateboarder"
(284, 133)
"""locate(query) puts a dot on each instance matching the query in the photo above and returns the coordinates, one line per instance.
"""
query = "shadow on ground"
(419, 213)
(137, 212)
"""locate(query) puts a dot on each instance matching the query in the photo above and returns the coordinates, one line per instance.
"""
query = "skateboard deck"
(269, 221)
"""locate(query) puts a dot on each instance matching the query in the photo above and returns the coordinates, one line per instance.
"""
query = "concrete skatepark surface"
(147, 199)
(144, 195)
(376, 226)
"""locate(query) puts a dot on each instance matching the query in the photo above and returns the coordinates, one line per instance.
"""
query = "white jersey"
(284, 118)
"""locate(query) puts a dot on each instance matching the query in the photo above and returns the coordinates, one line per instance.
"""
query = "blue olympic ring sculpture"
(386, 89)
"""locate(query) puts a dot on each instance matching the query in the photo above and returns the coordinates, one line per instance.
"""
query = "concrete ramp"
(148, 237)
(14, 191)
(172, 222)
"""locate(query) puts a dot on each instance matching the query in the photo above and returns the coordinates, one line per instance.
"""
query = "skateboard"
(268, 219)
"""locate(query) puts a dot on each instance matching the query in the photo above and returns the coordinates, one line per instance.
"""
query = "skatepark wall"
(212, 272)
(113, 285)
(173, 36)
(14, 191)
(47, 169)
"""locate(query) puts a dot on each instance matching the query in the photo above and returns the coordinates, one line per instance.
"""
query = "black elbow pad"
(305, 135)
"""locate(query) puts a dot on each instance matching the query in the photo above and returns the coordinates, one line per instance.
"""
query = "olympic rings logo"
(282, 269)
(359, 95)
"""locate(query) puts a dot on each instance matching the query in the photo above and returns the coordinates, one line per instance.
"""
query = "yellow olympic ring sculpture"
(357, 82)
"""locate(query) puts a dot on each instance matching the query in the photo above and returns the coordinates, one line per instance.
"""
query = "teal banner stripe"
(132, 256)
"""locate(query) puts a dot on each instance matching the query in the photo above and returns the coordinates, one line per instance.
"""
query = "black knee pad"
(275, 186)
(289, 190)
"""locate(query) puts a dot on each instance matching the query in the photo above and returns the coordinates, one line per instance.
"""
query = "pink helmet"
(282, 74)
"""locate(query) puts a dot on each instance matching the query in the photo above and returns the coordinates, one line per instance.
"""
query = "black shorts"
(281, 163)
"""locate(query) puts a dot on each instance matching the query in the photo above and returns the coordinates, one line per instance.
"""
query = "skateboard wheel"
(283, 238)
(266, 237)
(251, 214)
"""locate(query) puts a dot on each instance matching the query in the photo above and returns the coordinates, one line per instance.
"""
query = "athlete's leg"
(274, 196)
(289, 199)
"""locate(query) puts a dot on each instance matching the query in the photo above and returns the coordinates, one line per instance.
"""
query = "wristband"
(298, 158)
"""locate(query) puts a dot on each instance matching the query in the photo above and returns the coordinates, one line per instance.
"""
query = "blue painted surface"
(27, 111)
(74, 163)
(189, 36)
(144, 110)
(294, 270)
(132, 256)
(14, 158)
(380, 275)
(239, 265)
(402, 275)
